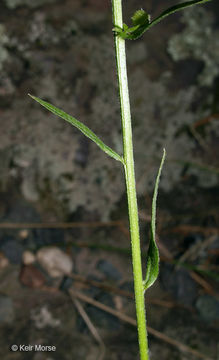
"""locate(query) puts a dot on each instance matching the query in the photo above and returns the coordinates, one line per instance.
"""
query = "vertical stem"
(130, 180)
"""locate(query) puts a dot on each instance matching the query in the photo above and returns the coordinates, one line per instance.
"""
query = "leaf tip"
(33, 97)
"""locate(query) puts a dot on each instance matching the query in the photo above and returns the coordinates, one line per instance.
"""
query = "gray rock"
(66, 283)
(21, 211)
(191, 42)
(55, 261)
(6, 309)
(208, 308)
(13, 251)
(108, 270)
(179, 283)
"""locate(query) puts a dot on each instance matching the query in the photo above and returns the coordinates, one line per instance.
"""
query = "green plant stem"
(130, 180)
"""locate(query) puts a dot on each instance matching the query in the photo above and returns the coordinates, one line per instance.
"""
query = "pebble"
(32, 277)
(28, 257)
(23, 234)
(54, 261)
(6, 309)
(3, 261)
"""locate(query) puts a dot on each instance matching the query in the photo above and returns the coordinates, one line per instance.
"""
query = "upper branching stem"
(141, 21)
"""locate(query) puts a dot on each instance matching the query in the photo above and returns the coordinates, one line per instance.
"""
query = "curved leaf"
(176, 8)
(152, 269)
(83, 128)
(143, 22)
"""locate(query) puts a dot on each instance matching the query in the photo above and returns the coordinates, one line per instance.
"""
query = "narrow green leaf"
(152, 269)
(176, 8)
(142, 22)
(83, 128)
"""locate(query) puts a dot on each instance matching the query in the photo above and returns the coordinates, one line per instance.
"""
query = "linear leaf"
(144, 23)
(152, 269)
(80, 126)
(176, 8)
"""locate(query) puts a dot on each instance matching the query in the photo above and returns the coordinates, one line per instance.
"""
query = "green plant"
(141, 22)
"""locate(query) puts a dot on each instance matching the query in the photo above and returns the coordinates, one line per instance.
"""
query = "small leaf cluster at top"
(141, 21)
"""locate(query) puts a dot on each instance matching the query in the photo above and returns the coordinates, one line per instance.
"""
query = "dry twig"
(193, 251)
(90, 325)
(59, 225)
(121, 292)
(130, 320)
(117, 291)
(185, 229)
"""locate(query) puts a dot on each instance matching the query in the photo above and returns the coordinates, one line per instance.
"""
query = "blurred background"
(63, 204)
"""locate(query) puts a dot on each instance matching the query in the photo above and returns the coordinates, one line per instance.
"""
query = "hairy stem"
(130, 180)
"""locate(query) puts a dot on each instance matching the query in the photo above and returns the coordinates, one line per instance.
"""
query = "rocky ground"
(62, 51)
